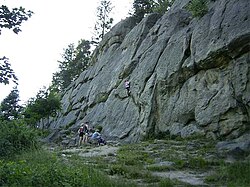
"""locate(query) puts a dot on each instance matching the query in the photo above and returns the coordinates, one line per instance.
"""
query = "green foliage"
(104, 22)
(9, 108)
(131, 172)
(159, 168)
(99, 127)
(132, 155)
(16, 137)
(141, 8)
(179, 163)
(6, 72)
(198, 162)
(10, 19)
(74, 61)
(46, 104)
(166, 183)
(162, 6)
(198, 8)
(41, 168)
(232, 174)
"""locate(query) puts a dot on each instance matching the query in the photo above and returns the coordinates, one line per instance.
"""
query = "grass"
(41, 168)
(159, 168)
(232, 174)
(133, 164)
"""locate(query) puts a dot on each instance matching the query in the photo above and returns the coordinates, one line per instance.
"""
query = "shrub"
(16, 137)
(198, 8)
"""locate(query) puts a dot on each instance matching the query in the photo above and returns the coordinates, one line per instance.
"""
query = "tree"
(162, 6)
(198, 8)
(6, 72)
(10, 19)
(143, 7)
(82, 57)
(10, 109)
(75, 60)
(104, 22)
(63, 78)
(46, 104)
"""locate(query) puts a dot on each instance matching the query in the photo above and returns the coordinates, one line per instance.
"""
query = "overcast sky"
(34, 52)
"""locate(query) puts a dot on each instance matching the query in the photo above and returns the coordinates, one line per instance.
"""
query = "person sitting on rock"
(96, 137)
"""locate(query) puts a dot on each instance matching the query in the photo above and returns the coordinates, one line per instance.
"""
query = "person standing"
(81, 133)
(86, 132)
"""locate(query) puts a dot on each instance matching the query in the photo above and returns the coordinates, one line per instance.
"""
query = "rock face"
(189, 76)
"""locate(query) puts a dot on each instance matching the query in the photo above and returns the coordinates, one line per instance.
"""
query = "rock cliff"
(189, 76)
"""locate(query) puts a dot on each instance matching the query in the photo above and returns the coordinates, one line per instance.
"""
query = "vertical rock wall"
(189, 76)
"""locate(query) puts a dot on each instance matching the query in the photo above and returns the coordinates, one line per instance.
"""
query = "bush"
(16, 137)
(198, 8)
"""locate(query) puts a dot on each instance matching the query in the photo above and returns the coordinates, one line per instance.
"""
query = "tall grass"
(41, 168)
(232, 174)
(237, 174)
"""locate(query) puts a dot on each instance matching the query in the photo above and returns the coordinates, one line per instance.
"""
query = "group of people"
(90, 135)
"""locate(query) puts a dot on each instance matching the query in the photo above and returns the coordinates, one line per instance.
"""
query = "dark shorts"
(81, 134)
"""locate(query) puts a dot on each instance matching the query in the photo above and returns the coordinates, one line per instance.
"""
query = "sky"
(34, 52)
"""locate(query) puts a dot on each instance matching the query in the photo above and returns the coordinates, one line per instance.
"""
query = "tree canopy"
(6, 72)
(144, 7)
(9, 108)
(45, 104)
(10, 19)
(74, 61)
(104, 21)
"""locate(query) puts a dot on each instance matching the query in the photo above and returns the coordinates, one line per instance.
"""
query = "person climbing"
(127, 87)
